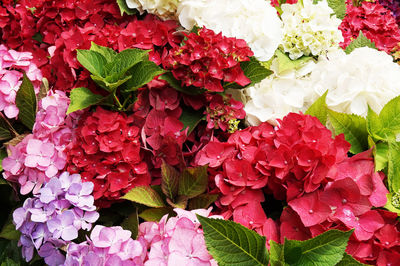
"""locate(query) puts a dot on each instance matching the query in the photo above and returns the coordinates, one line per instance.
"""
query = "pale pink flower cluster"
(12, 66)
(176, 241)
(40, 156)
(107, 246)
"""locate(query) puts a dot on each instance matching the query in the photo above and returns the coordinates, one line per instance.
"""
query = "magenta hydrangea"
(40, 155)
(12, 66)
(52, 218)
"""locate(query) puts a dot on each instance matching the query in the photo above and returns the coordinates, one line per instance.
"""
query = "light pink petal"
(11, 111)
(34, 146)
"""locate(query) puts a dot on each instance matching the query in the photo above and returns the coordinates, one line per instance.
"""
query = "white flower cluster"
(279, 94)
(165, 9)
(254, 21)
(309, 29)
(364, 77)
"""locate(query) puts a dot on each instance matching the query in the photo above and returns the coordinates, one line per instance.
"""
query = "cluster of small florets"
(107, 246)
(106, 151)
(12, 66)
(53, 217)
(223, 112)
(206, 59)
(299, 162)
(53, 30)
(40, 156)
(376, 23)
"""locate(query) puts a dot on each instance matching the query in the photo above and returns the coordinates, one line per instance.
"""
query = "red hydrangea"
(206, 59)
(223, 112)
(106, 151)
(376, 23)
(52, 30)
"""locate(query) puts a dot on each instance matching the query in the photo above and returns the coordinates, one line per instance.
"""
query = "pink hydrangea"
(176, 241)
(107, 246)
(12, 66)
(40, 156)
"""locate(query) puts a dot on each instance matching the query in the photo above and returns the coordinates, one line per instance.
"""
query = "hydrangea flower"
(376, 23)
(53, 217)
(176, 241)
(106, 151)
(309, 29)
(40, 156)
(256, 22)
(164, 9)
(206, 59)
(107, 246)
(365, 77)
(279, 94)
(12, 66)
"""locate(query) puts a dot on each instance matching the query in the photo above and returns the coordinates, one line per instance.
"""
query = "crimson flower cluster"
(207, 58)
(223, 112)
(52, 30)
(299, 162)
(393, 6)
(376, 23)
(106, 151)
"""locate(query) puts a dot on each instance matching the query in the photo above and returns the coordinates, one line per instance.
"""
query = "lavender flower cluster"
(53, 217)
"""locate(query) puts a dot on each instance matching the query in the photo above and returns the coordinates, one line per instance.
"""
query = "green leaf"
(361, 41)
(8, 231)
(285, 63)
(108, 53)
(5, 133)
(176, 84)
(123, 62)
(252, 69)
(325, 249)
(154, 214)
(193, 181)
(110, 86)
(142, 73)
(26, 103)
(180, 203)
(353, 127)
(233, 244)
(319, 109)
(123, 7)
(349, 261)
(190, 119)
(276, 254)
(374, 125)
(92, 61)
(339, 7)
(9, 262)
(390, 118)
(82, 98)
(131, 223)
(393, 177)
(144, 195)
(169, 180)
(202, 202)
(381, 154)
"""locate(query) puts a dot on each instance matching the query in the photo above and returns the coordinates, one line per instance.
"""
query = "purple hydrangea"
(52, 218)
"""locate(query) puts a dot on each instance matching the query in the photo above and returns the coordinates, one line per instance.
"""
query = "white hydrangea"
(279, 94)
(254, 21)
(309, 29)
(165, 9)
(364, 77)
